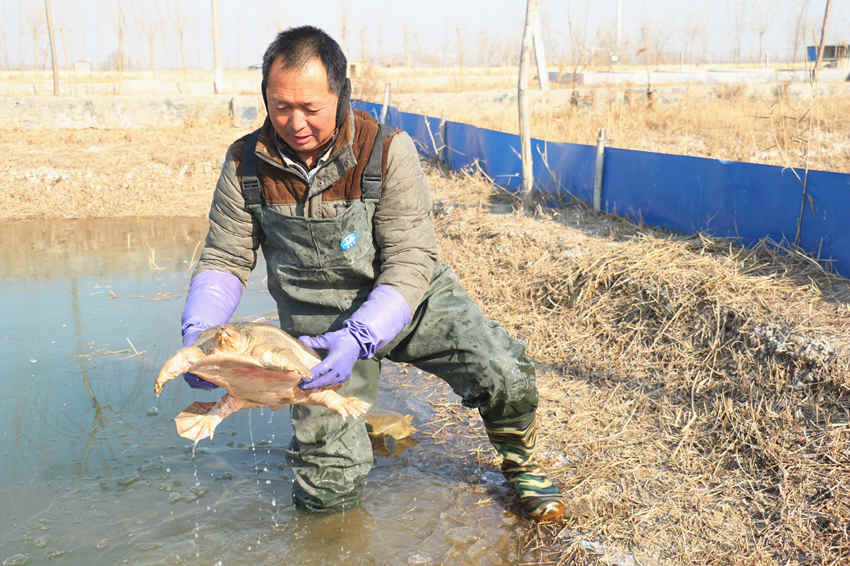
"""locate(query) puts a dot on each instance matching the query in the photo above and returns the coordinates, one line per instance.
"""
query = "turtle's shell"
(253, 361)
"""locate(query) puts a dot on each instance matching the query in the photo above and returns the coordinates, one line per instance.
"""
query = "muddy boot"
(538, 498)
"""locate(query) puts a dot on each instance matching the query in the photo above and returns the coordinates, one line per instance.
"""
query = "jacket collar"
(340, 160)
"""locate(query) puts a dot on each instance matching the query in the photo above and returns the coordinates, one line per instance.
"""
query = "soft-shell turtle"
(259, 365)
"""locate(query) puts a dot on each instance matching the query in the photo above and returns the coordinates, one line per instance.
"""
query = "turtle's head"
(230, 339)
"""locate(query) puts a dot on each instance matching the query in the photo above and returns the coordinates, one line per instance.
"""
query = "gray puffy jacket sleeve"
(404, 229)
(233, 237)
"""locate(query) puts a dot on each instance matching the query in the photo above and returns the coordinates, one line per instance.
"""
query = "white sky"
(716, 30)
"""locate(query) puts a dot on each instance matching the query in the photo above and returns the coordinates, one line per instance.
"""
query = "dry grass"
(696, 410)
(779, 131)
(98, 173)
(694, 395)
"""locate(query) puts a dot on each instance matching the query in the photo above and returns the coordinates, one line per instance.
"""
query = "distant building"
(833, 55)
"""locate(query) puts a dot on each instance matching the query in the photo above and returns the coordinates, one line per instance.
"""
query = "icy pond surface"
(93, 470)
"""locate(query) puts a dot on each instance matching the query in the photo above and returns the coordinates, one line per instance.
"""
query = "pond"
(94, 472)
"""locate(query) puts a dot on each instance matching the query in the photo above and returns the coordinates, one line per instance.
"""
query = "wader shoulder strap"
(372, 177)
(370, 183)
(251, 191)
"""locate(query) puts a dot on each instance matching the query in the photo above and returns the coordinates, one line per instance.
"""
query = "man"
(352, 266)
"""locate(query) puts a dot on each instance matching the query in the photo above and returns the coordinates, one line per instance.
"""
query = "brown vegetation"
(696, 407)
(731, 125)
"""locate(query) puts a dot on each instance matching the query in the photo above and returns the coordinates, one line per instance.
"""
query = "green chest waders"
(319, 272)
(318, 279)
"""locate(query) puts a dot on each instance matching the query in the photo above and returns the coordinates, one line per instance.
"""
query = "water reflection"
(94, 472)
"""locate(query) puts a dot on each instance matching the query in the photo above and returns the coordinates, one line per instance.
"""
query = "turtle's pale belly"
(246, 380)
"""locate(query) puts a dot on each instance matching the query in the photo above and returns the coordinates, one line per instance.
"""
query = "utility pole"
(52, 48)
(217, 82)
(820, 43)
(522, 98)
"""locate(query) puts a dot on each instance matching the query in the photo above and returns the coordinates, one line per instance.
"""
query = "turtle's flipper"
(199, 420)
(196, 422)
(345, 406)
(176, 365)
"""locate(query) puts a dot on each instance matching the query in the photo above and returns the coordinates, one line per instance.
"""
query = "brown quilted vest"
(284, 187)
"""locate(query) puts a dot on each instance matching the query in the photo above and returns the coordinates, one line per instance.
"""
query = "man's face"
(302, 107)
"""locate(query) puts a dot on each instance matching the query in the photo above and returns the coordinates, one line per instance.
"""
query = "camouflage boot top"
(538, 498)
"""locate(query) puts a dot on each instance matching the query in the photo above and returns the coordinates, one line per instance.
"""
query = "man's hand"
(212, 298)
(343, 351)
(193, 380)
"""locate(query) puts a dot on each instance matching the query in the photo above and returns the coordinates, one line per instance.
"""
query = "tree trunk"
(522, 97)
(820, 43)
(217, 82)
(52, 48)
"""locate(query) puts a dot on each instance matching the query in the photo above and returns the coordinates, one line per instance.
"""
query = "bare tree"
(483, 48)
(217, 81)
(344, 13)
(35, 46)
(822, 36)
(459, 46)
(539, 52)
(53, 62)
(178, 19)
(121, 24)
(522, 99)
(64, 47)
(406, 48)
(800, 30)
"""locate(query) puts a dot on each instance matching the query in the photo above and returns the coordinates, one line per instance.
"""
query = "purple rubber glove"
(212, 298)
(373, 325)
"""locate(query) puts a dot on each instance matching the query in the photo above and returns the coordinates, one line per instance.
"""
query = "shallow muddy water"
(94, 473)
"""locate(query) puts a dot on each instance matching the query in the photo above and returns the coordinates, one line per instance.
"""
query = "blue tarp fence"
(730, 199)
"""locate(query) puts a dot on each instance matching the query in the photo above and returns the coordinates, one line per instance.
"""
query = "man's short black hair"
(296, 46)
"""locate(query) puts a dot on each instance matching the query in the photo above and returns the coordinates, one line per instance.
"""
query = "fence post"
(601, 142)
(443, 153)
(386, 104)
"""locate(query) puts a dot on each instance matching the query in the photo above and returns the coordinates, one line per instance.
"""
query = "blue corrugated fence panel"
(495, 153)
(393, 117)
(368, 107)
(563, 168)
(824, 231)
(425, 132)
(695, 194)
(740, 200)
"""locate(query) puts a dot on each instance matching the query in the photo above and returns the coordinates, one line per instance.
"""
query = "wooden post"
(52, 48)
(522, 98)
(217, 82)
(601, 142)
(820, 43)
(386, 104)
(443, 153)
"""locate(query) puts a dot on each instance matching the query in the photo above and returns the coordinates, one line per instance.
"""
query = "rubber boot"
(538, 498)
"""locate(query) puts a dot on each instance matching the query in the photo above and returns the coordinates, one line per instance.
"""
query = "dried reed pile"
(698, 406)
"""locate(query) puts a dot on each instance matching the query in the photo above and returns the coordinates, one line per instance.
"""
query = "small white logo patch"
(348, 242)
